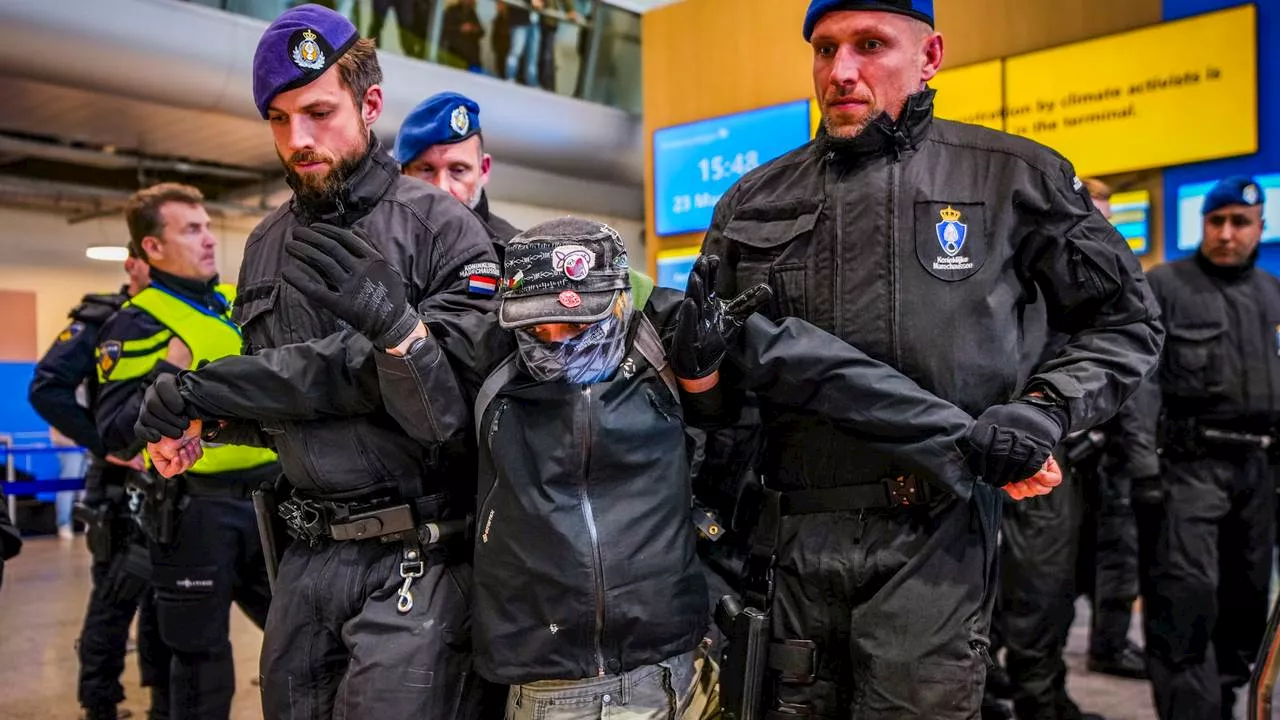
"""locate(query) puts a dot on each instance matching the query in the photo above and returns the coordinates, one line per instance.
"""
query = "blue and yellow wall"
(706, 58)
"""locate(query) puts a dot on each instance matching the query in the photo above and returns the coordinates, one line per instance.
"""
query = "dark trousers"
(1040, 541)
(898, 603)
(214, 560)
(1109, 561)
(336, 646)
(105, 637)
(1205, 558)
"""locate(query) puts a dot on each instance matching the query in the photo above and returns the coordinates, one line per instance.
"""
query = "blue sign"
(674, 269)
(1191, 201)
(695, 164)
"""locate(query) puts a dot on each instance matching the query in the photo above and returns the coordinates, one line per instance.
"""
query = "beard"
(316, 188)
(474, 201)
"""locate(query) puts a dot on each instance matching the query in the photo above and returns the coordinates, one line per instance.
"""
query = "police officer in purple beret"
(923, 243)
(369, 617)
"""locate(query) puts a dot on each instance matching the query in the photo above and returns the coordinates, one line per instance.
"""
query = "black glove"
(342, 272)
(1011, 442)
(705, 324)
(164, 412)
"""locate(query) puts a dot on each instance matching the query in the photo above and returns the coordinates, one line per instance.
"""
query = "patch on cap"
(1250, 194)
(570, 299)
(460, 121)
(574, 261)
(307, 53)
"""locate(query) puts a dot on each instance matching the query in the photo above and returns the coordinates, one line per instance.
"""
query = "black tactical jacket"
(923, 245)
(68, 364)
(585, 542)
(311, 383)
(1221, 361)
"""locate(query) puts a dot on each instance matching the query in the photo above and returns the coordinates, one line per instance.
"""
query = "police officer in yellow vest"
(209, 553)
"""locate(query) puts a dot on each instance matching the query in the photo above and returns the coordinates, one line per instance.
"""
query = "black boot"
(1128, 663)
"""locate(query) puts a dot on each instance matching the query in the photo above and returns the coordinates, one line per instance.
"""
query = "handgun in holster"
(272, 530)
(155, 501)
(100, 518)
(745, 659)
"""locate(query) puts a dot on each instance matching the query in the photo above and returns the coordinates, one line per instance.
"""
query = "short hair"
(1098, 190)
(142, 211)
(359, 70)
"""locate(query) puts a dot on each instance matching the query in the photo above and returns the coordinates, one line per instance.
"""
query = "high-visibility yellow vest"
(210, 336)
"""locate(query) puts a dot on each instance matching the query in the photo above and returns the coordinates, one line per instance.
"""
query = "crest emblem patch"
(108, 357)
(307, 53)
(951, 232)
(460, 121)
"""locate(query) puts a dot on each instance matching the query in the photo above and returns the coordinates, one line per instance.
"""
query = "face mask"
(591, 357)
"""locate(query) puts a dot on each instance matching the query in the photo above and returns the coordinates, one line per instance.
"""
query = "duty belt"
(313, 520)
(1231, 437)
(893, 492)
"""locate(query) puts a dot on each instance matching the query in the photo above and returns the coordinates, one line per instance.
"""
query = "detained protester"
(1202, 489)
(113, 538)
(440, 141)
(369, 616)
(587, 595)
(920, 242)
(204, 546)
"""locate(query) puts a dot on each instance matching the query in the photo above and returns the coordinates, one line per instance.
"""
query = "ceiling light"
(108, 253)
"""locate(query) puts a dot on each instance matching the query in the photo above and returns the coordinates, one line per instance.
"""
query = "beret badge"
(306, 51)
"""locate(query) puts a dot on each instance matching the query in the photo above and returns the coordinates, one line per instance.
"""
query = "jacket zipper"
(589, 515)
(486, 513)
(893, 263)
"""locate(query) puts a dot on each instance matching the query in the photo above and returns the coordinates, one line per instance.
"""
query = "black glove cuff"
(401, 330)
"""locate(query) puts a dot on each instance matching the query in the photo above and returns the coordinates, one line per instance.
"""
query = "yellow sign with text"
(1174, 93)
(971, 94)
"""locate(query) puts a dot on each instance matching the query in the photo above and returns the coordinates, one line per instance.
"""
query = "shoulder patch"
(108, 357)
(71, 332)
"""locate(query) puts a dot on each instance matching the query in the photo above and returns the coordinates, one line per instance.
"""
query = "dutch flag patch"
(482, 285)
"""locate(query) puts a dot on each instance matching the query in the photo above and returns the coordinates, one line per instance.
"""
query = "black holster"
(102, 521)
(747, 635)
(271, 528)
(156, 501)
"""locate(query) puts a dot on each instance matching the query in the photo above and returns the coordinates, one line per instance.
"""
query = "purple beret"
(296, 49)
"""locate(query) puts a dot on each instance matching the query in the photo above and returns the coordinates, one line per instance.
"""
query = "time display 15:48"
(718, 167)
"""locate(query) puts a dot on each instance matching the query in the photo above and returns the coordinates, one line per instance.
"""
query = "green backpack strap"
(641, 288)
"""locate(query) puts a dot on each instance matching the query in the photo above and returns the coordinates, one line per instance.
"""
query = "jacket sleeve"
(421, 390)
(1095, 292)
(1139, 417)
(58, 374)
(131, 354)
(333, 376)
(799, 366)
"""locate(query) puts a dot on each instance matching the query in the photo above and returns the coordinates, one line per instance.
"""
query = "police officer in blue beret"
(1203, 493)
(369, 615)
(441, 142)
(924, 243)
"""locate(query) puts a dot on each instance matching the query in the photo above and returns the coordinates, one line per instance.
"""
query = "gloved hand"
(342, 272)
(164, 413)
(706, 324)
(1011, 442)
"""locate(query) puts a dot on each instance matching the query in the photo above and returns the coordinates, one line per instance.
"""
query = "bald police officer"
(921, 242)
(1204, 503)
(441, 142)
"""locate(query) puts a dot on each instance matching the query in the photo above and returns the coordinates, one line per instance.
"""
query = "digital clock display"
(695, 164)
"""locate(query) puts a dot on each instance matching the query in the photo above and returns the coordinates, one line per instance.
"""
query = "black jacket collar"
(1229, 274)
(372, 178)
(884, 135)
(196, 291)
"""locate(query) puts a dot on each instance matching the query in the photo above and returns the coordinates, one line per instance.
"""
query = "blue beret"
(442, 119)
(1237, 190)
(296, 49)
(918, 9)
